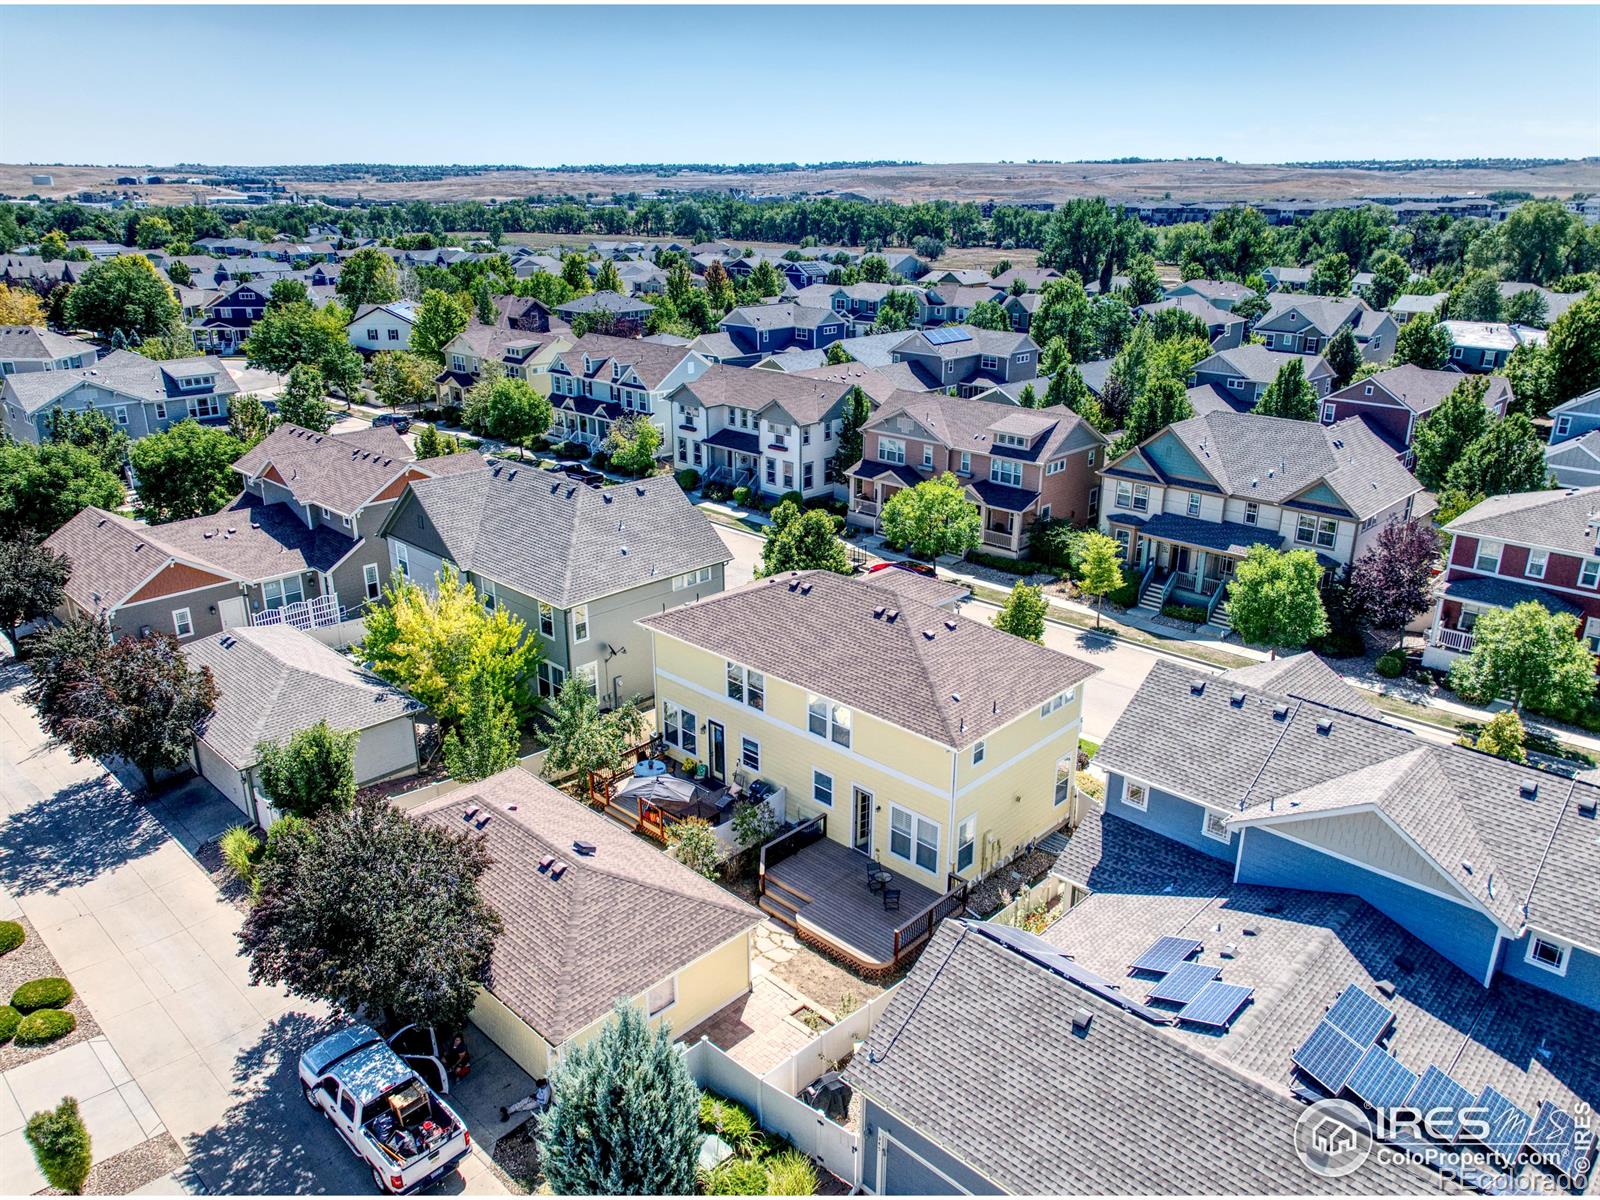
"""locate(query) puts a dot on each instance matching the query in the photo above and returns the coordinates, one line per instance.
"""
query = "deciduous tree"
(123, 295)
(1508, 457)
(1530, 656)
(608, 279)
(585, 741)
(89, 429)
(368, 276)
(440, 319)
(185, 471)
(248, 419)
(1023, 612)
(1274, 599)
(1390, 582)
(1162, 403)
(1390, 274)
(1422, 342)
(19, 306)
(1143, 280)
(299, 335)
(987, 314)
(1289, 395)
(1574, 349)
(507, 408)
(44, 487)
(1099, 569)
(1445, 433)
(313, 770)
(1504, 736)
(304, 400)
(400, 378)
(1343, 356)
(933, 518)
(488, 739)
(632, 444)
(802, 539)
(31, 579)
(1330, 276)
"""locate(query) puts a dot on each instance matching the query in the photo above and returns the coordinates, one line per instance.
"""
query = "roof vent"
(928, 633)
(794, 586)
(956, 696)
(1528, 789)
(1081, 1017)
(483, 821)
(1325, 726)
(557, 870)
(877, 613)
(1466, 866)
(544, 863)
(1230, 950)
(638, 489)
(624, 551)
(950, 624)
(1586, 806)
(606, 497)
(892, 615)
(1197, 687)
(228, 641)
(584, 848)
(1280, 711)
(1385, 988)
(1237, 699)
(554, 488)
(511, 476)
(470, 813)
(805, 589)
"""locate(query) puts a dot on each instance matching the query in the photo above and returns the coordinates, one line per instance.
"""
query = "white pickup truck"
(386, 1113)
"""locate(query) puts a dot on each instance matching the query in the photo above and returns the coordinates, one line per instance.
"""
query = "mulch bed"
(233, 889)
(517, 1159)
(33, 960)
(136, 1166)
(1028, 868)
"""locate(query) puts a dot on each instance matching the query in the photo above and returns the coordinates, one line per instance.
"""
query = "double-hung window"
(181, 624)
(822, 788)
(750, 752)
(547, 619)
(678, 727)
(966, 842)
(747, 686)
(1252, 512)
(913, 838)
(369, 578)
(828, 720)
(1057, 702)
(1314, 531)
(1487, 557)
(1589, 573)
(1194, 504)
(927, 456)
(580, 623)
(966, 463)
(979, 750)
(1537, 561)
(551, 677)
(1004, 470)
(279, 592)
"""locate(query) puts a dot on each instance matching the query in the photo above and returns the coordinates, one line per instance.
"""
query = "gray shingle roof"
(20, 343)
(123, 371)
(1463, 808)
(978, 341)
(1307, 676)
(806, 400)
(610, 302)
(273, 681)
(614, 924)
(832, 635)
(1260, 365)
(340, 471)
(1322, 314)
(1196, 306)
(977, 1050)
(563, 542)
(1215, 289)
(651, 361)
(1559, 519)
(1420, 389)
(1505, 593)
(1230, 537)
(782, 316)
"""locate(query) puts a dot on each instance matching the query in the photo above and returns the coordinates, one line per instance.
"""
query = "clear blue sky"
(540, 86)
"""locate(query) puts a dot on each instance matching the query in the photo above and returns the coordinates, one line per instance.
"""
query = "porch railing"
(1454, 639)
(1144, 580)
(785, 845)
(1216, 601)
(303, 614)
(1167, 589)
(867, 508)
(920, 927)
(994, 537)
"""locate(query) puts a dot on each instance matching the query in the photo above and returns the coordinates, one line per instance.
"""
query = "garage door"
(222, 777)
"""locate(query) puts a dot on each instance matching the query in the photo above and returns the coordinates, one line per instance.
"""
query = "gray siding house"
(1236, 378)
(578, 565)
(142, 396)
(968, 359)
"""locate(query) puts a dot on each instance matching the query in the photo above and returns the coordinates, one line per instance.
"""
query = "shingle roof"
(970, 424)
(610, 302)
(341, 471)
(614, 924)
(109, 555)
(1565, 519)
(1505, 593)
(651, 361)
(978, 1050)
(1414, 303)
(781, 316)
(19, 343)
(1422, 390)
(806, 400)
(833, 635)
(1228, 537)
(1326, 314)
(1199, 307)
(978, 341)
(122, 371)
(1307, 676)
(1461, 807)
(563, 542)
(1216, 289)
(1258, 364)
(274, 680)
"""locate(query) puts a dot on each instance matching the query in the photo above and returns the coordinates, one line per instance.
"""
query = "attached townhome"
(224, 323)
(1394, 402)
(577, 564)
(770, 328)
(949, 303)
(378, 327)
(1223, 330)
(593, 916)
(1573, 454)
(1484, 346)
(299, 545)
(615, 314)
(1541, 546)
(916, 750)
(1235, 379)
(1187, 504)
(859, 302)
(139, 395)
(28, 348)
(601, 379)
(1555, 303)
(1019, 465)
(519, 353)
(769, 431)
(1287, 279)
(1220, 293)
(968, 359)
(1306, 324)
(1281, 901)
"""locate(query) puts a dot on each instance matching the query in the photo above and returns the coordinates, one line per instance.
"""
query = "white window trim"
(967, 839)
(1563, 424)
(745, 742)
(1128, 784)
(1542, 558)
(547, 612)
(979, 749)
(580, 621)
(1556, 943)
(815, 775)
(1478, 556)
(1206, 817)
(831, 707)
(671, 983)
(917, 821)
(1585, 566)
(178, 624)
(372, 581)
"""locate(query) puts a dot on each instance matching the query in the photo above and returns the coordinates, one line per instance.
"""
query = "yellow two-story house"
(935, 745)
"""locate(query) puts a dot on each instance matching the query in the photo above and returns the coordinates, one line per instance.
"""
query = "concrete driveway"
(140, 930)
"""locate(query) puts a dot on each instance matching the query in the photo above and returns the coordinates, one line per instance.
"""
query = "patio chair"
(875, 880)
(891, 899)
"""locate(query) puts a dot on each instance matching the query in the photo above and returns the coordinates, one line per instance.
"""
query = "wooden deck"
(822, 890)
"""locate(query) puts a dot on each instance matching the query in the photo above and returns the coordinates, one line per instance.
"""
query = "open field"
(1007, 182)
(954, 257)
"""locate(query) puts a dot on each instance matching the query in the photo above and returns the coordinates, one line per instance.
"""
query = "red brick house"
(1394, 402)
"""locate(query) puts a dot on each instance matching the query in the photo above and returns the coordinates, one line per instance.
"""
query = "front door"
(861, 825)
(716, 753)
(232, 611)
(1180, 560)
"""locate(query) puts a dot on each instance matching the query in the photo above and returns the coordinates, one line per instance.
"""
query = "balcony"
(867, 508)
(1454, 640)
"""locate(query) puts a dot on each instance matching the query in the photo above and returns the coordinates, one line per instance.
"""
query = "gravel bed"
(516, 1159)
(990, 895)
(33, 960)
(233, 889)
(129, 1171)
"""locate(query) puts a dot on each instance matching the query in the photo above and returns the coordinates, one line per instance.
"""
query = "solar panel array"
(1508, 1124)
(1437, 1093)
(1359, 1015)
(946, 334)
(1380, 1080)
(1215, 1004)
(1328, 1056)
(1165, 955)
(1184, 983)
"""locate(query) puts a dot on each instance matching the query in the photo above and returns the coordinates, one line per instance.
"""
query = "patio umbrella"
(666, 792)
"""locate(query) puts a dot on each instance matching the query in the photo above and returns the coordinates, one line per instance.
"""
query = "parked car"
(914, 568)
(400, 422)
(582, 473)
(383, 1109)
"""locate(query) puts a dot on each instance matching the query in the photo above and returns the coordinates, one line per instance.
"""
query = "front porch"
(1463, 601)
(844, 902)
(872, 484)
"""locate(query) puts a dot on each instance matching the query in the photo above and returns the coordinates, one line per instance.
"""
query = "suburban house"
(1575, 417)
(1542, 546)
(1555, 303)
(1032, 278)
(298, 545)
(577, 564)
(1573, 454)
(1281, 899)
(519, 353)
(1412, 305)
(274, 681)
(917, 750)
(28, 348)
(1392, 402)
(1223, 329)
(858, 302)
(867, 350)
(1306, 324)
(968, 359)
(1484, 346)
(378, 327)
(767, 430)
(592, 916)
(140, 395)
(1021, 309)
(1020, 465)
(1188, 503)
(224, 322)
(608, 312)
(949, 304)
(762, 329)
(1287, 279)
(1235, 378)
(600, 379)
(1220, 293)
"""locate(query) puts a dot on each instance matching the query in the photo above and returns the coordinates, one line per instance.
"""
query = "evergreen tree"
(61, 1146)
(1143, 281)
(857, 412)
(1289, 395)
(625, 1115)
(1343, 356)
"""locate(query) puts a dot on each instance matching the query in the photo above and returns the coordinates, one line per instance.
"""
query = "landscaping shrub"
(8, 1022)
(738, 1177)
(61, 1145)
(1192, 613)
(599, 460)
(731, 1121)
(688, 479)
(1391, 665)
(791, 1174)
(47, 992)
(241, 850)
(741, 497)
(1340, 643)
(1011, 566)
(43, 1026)
(1127, 595)
(799, 500)
(11, 936)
